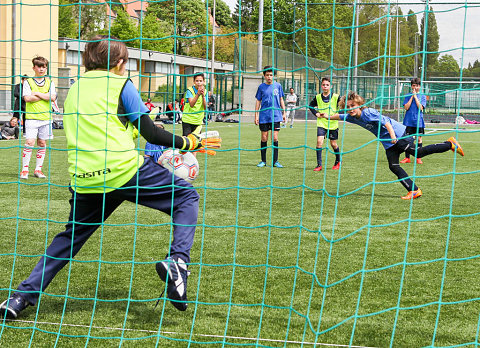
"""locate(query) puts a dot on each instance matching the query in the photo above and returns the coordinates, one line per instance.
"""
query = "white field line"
(184, 334)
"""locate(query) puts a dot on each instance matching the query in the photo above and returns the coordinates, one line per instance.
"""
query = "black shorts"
(332, 133)
(413, 130)
(188, 128)
(265, 127)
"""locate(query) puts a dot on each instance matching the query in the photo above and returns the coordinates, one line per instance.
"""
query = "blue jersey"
(154, 151)
(132, 103)
(372, 120)
(413, 115)
(188, 93)
(269, 96)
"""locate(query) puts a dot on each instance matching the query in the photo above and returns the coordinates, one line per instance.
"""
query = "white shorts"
(38, 129)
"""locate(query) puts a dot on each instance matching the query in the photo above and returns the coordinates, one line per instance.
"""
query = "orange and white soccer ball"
(183, 165)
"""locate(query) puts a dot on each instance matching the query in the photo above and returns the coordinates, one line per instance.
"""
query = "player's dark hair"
(268, 68)
(325, 79)
(415, 81)
(40, 61)
(104, 52)
(197, 75)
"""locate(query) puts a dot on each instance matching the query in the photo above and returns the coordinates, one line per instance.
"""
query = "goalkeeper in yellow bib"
(195, 106)
(326, 102)
(101, 110)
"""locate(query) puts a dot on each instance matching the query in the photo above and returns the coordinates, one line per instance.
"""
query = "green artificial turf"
(281, 256)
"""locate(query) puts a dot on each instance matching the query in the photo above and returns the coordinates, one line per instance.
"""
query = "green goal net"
(282, 257)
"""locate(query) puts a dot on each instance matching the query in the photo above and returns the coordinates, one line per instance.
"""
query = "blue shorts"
(332, 133)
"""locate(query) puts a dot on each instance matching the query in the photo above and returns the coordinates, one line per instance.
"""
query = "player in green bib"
(101, 110)
(39, 94)
(195, 105)
(326, 102)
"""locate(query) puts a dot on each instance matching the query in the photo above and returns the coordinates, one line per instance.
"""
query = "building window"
(165, 68)
(132, 64)
(199, 70)
(150, 67)
(74, 58)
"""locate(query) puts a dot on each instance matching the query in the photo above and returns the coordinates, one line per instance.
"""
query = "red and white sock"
(40, 159)
(27, 154)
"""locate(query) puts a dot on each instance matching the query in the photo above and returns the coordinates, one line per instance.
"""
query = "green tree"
(90, 17)
(223, 17)
(125, 28)
(372, 36)
(412, 28)
(279, 30)
(328, 36)
(155, 34)
(66, 27)
(186, 18)
(447, 65)
(432, 39)
(472, 70)
(246, 16)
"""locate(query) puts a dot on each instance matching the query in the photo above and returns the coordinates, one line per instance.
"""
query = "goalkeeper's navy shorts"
(152, 186)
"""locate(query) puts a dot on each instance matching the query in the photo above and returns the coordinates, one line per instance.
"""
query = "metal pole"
(415, 72)
(355, 72)
(260, 35)
(397, 48)
(379, 39)
(212, 76)
(14, 38)
(293, 43)
(149, 85)
(425, 38)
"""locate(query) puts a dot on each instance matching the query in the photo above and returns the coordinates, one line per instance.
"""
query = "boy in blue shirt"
(414, 104)
(269, 112)
(392, 135)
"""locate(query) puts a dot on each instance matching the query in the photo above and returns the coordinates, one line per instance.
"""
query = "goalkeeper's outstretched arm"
(159, 136)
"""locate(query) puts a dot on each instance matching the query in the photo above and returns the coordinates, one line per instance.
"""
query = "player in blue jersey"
(414, 104)
(392, 136)
(269, 112)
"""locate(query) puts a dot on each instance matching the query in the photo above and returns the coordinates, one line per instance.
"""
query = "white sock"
(27, 154)
(40, 158)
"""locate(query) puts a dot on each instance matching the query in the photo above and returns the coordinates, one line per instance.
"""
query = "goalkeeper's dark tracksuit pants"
(407, 145)
(155, 189)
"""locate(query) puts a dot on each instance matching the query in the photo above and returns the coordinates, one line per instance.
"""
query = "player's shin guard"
(40, 158)
(275, 152)
(26, 155)
(319, 156)
(403, 176)
(337, 155)
(263, 150)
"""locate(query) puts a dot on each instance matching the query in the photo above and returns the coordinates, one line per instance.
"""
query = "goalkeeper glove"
(191, 142)
(210, 141)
